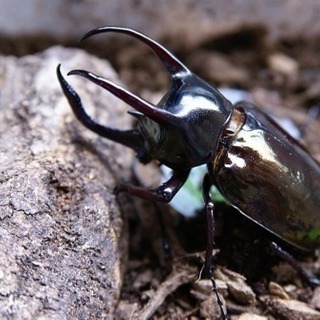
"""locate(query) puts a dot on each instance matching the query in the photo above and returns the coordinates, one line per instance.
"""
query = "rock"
(62, 240)
(290, 309)
(315, 301)
(283, 64)
(239, 290)
(251, 316)
(278, 291)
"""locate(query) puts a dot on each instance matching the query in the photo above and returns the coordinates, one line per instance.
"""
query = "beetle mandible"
(257, 166)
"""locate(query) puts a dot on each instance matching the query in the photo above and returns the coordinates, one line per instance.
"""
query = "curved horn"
(129, 138)
(172, 64)
(158, 115)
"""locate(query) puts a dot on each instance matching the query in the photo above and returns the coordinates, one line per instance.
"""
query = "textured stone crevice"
(61, 235)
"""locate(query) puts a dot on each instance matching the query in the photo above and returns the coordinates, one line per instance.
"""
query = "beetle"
(257, 166)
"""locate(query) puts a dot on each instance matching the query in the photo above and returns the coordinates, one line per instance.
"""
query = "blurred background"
(185, 23)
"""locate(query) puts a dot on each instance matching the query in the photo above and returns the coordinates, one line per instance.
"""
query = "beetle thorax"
(201, 114)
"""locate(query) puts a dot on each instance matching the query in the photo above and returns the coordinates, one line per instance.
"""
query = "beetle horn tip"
(87, 35)
(78, 72)
(58, 71)
(94, 31)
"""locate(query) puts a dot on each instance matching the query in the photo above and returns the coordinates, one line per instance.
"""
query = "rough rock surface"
(61, 235)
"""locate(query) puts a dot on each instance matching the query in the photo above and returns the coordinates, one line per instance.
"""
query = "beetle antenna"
(158, 115)
(174, 66)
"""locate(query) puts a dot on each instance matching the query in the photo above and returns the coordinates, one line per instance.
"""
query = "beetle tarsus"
(164, 193)
(222, 305)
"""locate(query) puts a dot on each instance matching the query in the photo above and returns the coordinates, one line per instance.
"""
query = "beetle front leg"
(164, 193)
(206, 272)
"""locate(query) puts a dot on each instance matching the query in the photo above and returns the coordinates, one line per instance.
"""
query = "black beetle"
(257, 166)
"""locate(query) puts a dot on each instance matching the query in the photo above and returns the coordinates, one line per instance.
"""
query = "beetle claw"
(163, 193)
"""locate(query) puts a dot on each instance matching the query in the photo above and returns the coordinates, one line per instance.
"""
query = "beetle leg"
(310, 278)
(129, 138)
(209, 206)
(164, 193)
(165, 237)
(206, 272)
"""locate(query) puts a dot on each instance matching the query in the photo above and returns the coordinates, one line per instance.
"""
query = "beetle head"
(190, 136)
(184, 128)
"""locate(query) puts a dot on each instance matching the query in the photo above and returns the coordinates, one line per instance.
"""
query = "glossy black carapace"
(261, 170)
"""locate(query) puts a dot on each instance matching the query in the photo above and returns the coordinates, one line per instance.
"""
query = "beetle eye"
(151, 130)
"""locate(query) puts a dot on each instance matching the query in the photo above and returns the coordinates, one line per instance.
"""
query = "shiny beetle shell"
(271, 179)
